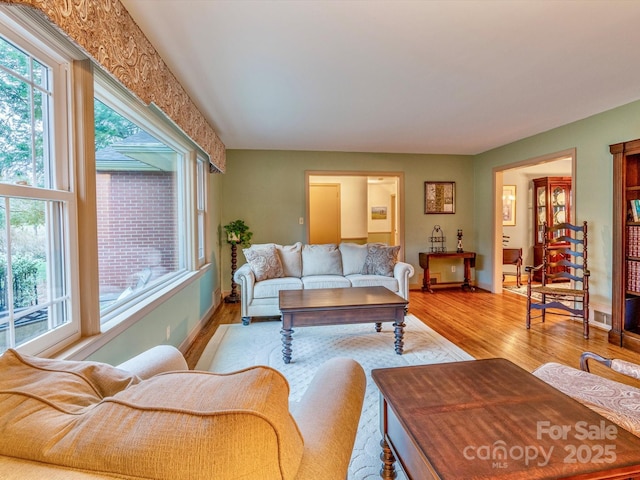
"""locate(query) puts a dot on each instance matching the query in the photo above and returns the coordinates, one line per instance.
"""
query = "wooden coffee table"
(338, 306)
(490, 419)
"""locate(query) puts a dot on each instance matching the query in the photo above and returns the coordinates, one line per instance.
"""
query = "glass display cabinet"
(552, 204)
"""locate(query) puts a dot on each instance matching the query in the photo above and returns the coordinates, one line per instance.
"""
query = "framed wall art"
(509, 205)
(439, 197)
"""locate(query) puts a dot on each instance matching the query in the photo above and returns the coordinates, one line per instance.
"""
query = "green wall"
(266, 189)
(591, 138)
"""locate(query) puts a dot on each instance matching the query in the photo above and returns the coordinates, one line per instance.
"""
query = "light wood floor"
(483, 324)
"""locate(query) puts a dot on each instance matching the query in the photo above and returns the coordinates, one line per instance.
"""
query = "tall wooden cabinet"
(625, 313)
(552, 203)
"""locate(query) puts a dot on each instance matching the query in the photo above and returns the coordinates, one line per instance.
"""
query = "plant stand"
(233, 297)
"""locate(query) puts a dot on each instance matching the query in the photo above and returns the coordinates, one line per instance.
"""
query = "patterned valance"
(107, 33)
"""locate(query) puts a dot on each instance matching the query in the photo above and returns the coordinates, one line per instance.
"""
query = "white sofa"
(271, 267)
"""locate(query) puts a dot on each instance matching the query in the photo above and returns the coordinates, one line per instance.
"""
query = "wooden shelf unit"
(625, 315)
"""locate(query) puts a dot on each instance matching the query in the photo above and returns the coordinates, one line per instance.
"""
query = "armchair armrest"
(159, 359)
(328, 415)
(621, 366)
(531, 269)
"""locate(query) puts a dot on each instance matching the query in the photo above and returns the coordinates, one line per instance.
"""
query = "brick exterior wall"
(137, 222)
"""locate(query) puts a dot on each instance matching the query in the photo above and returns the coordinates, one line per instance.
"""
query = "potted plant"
(238, 233)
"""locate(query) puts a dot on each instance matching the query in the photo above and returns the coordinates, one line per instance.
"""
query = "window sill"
(84, 347)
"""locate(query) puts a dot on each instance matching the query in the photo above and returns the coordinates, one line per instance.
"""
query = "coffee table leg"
(378, 326)
(388, 471)
(399, 334)
(286, 344)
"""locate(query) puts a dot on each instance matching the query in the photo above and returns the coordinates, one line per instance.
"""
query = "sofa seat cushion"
(325, 281)
(615, 401)
(360, 280)
(270, 288)
(171, 426)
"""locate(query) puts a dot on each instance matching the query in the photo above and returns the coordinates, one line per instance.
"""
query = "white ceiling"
(438, 76)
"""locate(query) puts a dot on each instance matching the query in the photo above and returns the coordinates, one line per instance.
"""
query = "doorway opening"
(356, 207)
(514, 216)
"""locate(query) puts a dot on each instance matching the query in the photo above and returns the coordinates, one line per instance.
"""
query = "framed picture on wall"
(509, 205)
(439, 197)
(378, 213)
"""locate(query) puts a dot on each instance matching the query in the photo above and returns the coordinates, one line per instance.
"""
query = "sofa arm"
(159, 359)
(246, 279)
(403, 272)
(328, 415)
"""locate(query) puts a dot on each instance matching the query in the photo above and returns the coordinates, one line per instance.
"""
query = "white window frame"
(58, 60)
(202, 165)
(115, 97)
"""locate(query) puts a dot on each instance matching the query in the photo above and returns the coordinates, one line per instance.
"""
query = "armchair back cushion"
(137, 432)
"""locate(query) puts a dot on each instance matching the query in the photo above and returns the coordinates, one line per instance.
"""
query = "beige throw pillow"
(264, 261)
(380, 260)
(291, 258)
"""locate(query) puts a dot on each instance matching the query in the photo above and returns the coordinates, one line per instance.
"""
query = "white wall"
(353, 203)
(380, 196)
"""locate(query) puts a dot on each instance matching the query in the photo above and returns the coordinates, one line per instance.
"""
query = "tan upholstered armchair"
(154, 419)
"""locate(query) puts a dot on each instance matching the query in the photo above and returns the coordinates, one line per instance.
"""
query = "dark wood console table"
(469, 263)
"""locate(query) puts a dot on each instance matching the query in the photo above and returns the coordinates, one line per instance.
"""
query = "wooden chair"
(512, 256)
(564, 259)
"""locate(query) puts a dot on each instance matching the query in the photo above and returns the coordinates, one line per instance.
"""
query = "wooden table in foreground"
(338, 306)
(490, 419)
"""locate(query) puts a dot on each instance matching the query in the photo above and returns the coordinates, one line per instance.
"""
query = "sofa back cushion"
(264, 261)
(291, 258)
(322, 259)
(380, 260)
(177, 425)
(353, 257)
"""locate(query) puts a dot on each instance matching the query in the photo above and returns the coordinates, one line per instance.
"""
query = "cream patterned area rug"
(234, 347)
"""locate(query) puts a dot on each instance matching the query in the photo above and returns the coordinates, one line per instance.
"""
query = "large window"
(37, 207)
(149, 209)
(143, 191)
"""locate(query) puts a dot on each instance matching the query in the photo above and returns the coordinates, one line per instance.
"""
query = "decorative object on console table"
(460, 250)
(237, 233)
(439, 197)
(437, 240)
